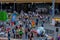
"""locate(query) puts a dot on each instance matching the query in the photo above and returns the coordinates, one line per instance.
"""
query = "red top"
(12, 23)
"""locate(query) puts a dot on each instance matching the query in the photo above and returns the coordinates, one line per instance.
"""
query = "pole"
(53, 13)
(14, 4)
(53, 8)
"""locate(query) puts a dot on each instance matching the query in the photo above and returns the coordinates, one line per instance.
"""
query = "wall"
(30, 1)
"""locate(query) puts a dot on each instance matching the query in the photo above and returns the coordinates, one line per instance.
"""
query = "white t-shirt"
(53, 22)
(40, 30)
(20, 22)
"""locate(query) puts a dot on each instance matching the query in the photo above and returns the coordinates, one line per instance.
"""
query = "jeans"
(8, 38)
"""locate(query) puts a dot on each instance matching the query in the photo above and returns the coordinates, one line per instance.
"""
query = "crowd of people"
(23, 24)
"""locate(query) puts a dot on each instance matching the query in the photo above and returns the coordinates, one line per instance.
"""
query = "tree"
(3, 15)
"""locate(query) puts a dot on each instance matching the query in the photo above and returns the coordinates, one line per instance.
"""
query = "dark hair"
(28, 30)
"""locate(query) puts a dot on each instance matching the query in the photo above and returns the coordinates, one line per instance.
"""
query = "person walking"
(13, 30)
(8, 35)
(37, 22)
(26, 31)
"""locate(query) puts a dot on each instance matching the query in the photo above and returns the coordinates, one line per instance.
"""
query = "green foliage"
(3, 15)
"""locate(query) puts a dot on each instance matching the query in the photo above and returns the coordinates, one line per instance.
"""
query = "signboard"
(57, 19)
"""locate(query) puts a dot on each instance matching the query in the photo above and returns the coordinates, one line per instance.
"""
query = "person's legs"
(26, 35)
(14, 35)
(8, 38)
